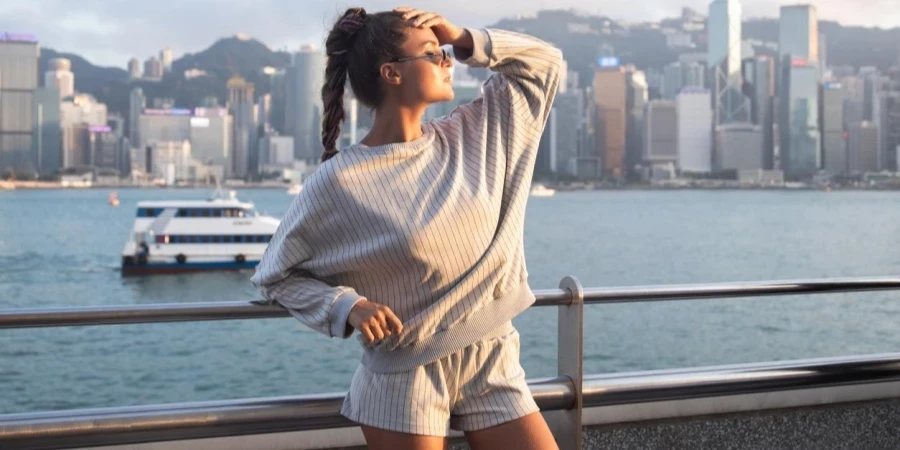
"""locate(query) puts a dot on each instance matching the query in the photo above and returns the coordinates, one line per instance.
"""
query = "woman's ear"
(389, 73)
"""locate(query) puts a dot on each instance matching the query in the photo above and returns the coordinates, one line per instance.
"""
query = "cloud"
(110, 32)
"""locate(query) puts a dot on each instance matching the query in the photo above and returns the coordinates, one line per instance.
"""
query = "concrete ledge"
(868, 425)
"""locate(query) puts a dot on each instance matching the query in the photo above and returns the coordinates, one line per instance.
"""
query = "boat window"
(217, 213)
(149, 212)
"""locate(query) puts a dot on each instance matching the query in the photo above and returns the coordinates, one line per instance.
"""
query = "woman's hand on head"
(446, 32)
(374, 321)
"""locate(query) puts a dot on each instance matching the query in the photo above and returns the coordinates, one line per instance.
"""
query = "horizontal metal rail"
(187, 312)
(160, 423)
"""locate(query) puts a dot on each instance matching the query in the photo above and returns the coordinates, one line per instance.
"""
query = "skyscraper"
(240, 103)
(799, 116)
(18, 81)
(636, 101)
(134, 68)
(739, 146)
(834, 148)
(165, 57)
(212, 132)
(661, 138)
(153, 69)
(136, 104)
(798, 32)
(862, 148)
(672, 81)
(798, 37)
(724, 37)
(724, 59)
(610, 100)
(303, 108)
(889, 126)
(759, 83)
(46, 139)
(694, 130)
(59, 75)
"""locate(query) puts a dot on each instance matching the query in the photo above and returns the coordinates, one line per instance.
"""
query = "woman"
(414, 236)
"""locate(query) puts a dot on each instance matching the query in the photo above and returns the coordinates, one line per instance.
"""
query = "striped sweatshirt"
(432, 228)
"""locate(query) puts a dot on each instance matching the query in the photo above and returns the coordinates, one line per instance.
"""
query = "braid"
(337, 46)
(333, 103)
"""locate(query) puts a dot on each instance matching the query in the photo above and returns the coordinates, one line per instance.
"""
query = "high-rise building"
(77, 115)
(163, 125)
(136, 104)
(303, 108)
(104, 147)
(264, 109)
(739, 146)
(672, 81)
(570, 115)
(694, 74)
(134, 68)
(724, 59)
(47, 136)
(798, 37)
(243, 109)
(823, 53)
(862, 148)
(661, 135)
(59, 75)
(636, 100)
(678, 75)
(18, 81)
(834, 148)
(610, 101)
(798, 33)
(153, 69)
(165, 58)
(695, 118)
(212, 132)
(889, 127)
(799, 116)
(724, 37)
(759, 83)
(276, 151)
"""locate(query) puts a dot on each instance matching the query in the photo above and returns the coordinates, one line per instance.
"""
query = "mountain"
(225, 57)
(582, 37)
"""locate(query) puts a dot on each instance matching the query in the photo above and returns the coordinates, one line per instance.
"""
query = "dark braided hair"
(356, 46)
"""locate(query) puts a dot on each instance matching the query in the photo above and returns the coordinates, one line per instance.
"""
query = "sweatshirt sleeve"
(284, 275)
(527, 72)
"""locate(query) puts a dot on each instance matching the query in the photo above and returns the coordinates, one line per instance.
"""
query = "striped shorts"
(478, 387)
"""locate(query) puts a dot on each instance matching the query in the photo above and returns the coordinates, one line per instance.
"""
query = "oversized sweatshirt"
(432, 228)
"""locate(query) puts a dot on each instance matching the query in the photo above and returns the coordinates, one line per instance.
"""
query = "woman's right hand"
(374, 321)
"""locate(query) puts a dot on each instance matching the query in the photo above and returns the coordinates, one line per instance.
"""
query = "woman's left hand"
(446, 32)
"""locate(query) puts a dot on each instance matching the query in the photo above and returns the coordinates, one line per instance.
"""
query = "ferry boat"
(539, 190)
(222, 233)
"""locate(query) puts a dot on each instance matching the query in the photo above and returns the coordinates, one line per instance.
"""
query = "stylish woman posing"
(414, 236)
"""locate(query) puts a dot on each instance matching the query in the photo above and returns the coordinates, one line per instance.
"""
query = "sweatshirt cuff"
(479, 54)
(340, 312)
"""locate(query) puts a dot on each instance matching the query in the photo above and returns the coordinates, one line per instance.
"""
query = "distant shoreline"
(560, 188)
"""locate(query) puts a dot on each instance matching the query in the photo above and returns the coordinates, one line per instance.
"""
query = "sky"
(110, 32)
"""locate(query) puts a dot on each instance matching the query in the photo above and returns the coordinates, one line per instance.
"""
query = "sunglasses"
(436, 58)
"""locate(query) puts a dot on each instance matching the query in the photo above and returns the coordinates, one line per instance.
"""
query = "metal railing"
(570, 391)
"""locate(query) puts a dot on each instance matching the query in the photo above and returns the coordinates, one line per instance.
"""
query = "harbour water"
(62, 247)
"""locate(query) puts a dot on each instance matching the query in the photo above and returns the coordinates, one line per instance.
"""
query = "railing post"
(570, 361)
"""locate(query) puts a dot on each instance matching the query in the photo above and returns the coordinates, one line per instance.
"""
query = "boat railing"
(566, 394)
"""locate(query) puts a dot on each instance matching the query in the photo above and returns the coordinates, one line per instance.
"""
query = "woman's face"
(424, 70)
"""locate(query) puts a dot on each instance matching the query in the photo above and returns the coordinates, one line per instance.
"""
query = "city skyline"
(111, 33)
